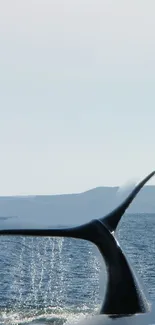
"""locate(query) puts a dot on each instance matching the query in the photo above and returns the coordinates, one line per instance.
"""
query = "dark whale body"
(124, 302)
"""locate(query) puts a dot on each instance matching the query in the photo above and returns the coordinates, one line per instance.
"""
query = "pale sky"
(77, 94)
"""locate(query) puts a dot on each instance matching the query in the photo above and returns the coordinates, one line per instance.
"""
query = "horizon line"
(62, 194)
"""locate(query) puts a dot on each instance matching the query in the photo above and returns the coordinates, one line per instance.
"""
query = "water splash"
(47, 282)
(52, 316)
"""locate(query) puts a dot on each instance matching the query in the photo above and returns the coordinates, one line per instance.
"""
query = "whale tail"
(113, 218)
(123, 293)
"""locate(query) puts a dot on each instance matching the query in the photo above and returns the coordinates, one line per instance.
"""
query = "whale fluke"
(123, 293)
(113, 218)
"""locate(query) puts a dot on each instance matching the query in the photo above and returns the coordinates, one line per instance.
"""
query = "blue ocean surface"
(60, 280)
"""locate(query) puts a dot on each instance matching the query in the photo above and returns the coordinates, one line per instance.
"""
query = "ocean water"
(60, 281)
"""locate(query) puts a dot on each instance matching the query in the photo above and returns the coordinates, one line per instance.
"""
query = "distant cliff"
(73, 208)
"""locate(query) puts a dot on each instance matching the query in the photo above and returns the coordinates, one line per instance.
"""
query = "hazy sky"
(77, 94)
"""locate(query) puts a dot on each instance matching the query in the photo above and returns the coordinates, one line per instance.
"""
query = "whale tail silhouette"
(123, 293)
